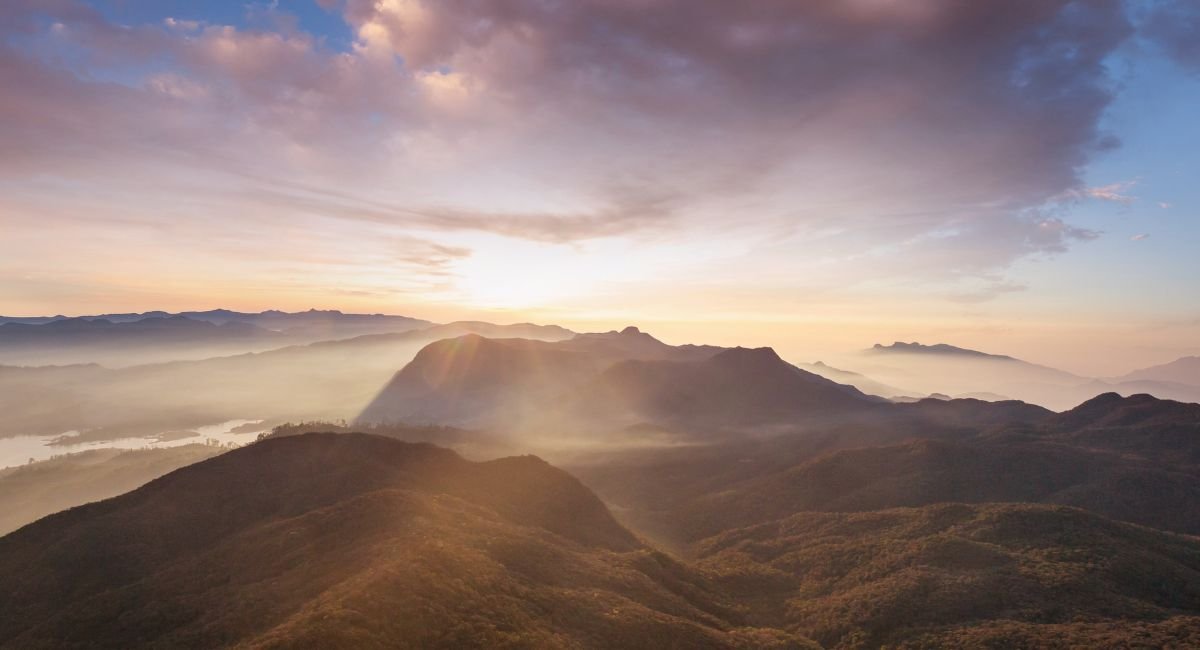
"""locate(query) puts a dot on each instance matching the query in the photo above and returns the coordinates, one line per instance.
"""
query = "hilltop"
(321, 540)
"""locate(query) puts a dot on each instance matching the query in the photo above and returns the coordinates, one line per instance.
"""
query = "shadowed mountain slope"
(325, 540)
(928, 471)
(959, 451)
(608, 380)
(509, 383)
(737, 386)
(472, 380)
(960, 576)
(1163, 431)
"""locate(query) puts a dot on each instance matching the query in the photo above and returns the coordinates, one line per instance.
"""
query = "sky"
(1017, 176)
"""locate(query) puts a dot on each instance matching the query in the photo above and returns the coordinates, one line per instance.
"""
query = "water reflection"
(19, 450)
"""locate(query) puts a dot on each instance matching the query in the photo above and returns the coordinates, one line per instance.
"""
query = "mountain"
(925, 472)
(327, 380)
(30, 320)
(1162, 431)
(632, 343)
(600, 384)
(131, 339)
(30, 492)
(1135, 459)
(476, 381)
(938, 349)
(857, 380)
(947, 369)
(324, 540)
(270, 319)
(737, 387)
(80, 340)
(605, 381)
(964, 576)
(1185, 371)
(333, 322)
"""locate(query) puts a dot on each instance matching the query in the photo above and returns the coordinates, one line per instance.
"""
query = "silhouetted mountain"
(270, 319)
(1185, 370)
(131, 339)
(632, 343)
(602, 381)
(476, 381)
(326, 540)
(974, 414)
(941, 349)
(73, 331)
(75, 340)
(735, 387)
(959, 576)
(30, 320)
(1161, 430)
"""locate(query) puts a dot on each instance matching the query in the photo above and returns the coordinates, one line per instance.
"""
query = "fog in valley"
(488, 390)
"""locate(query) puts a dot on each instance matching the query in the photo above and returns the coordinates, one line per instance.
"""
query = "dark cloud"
(1175, 26)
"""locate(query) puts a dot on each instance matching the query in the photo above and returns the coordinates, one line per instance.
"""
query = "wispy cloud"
(1140, 236)
(1113, 192)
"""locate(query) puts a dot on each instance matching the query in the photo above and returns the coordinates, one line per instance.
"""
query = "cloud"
(1140, 236)
(926, 137)
(1113, 192)
(1164, 205)
(1173, 26)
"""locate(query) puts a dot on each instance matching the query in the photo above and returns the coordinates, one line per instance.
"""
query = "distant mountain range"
(942, 368)
(326, 380)
(132, 339)
(1181, 371)
(937, 348)
(272, 319)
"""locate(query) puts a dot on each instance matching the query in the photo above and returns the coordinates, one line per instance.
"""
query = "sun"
(521, 274)
(516, 274)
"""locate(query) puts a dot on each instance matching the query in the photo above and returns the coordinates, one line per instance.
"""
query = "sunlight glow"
(515, 273)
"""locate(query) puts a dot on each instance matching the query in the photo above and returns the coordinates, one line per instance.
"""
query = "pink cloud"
(1113, 192)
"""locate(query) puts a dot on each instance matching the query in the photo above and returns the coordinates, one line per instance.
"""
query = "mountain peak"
(742, 355)
(936, 348)
(631, 330)
(1112, 410)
